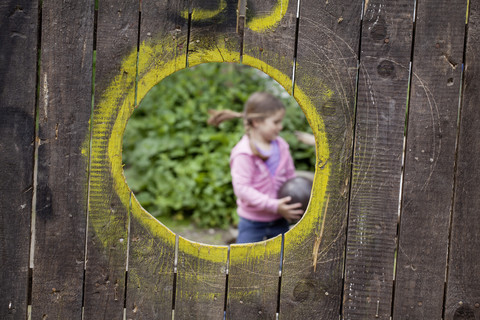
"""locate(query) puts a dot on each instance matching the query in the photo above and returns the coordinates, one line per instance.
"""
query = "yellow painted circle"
(115, 107)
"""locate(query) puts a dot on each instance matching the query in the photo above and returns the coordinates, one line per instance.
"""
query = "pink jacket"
(256, 189)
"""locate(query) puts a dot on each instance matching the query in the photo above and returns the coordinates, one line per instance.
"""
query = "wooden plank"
(463, 287)
(150, 286)
(429, 159)
(163, 41)
(117, 33)
(254, 268)
(201, 280)
(162, 51)
(377, 163)
(18, 70)
(270, 38)
(253, 280)
(64, 111)
(164, 31)
(213, 32)
(329, 34)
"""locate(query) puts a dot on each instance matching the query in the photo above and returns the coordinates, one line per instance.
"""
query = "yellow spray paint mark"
(276, 74)
(270, 21)
(203, 14)
(150, 223)
(303, 228)
(466, 13)
(115, 106)
(215, 254)
(241, 254)
(218, 52)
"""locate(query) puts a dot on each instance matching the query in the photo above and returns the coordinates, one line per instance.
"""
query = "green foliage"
(176, 164)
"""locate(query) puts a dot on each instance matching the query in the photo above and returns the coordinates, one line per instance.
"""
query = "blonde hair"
(259, 106)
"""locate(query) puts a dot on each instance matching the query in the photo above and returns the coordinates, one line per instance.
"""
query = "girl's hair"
(259, 106)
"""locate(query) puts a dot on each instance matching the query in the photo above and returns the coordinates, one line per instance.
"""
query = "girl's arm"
(243, 171)
(305, 137)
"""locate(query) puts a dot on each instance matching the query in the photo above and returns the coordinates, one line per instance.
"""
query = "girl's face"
(269, 128)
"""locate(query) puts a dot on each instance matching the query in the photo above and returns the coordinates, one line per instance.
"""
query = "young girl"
(260, 163)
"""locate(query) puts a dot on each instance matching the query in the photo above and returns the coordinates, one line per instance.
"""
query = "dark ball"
(299, 188)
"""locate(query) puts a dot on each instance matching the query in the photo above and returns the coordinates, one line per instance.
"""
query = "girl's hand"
(291, 212)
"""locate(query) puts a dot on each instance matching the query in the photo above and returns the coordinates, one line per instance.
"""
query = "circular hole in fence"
(178, 166)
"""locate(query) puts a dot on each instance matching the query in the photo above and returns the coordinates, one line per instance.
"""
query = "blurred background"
(178, 166)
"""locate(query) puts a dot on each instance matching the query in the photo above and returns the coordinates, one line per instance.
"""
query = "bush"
(176, 164)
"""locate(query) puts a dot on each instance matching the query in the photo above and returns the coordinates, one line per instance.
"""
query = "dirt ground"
(207, 236)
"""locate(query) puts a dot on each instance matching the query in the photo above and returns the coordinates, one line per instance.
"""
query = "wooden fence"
(389, 87)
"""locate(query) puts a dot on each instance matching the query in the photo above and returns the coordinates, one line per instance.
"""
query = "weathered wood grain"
(117, 32)
(201, 280)
(64, 111)
(463, 288)
(150, 286)
(268, 45)
(429, 159)
(377, 162)
(18, 69)
(200, 283)
(329, 34)
(213, 32)
(270, 28)
(311, 286)
(253, 280)
(163, 40)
